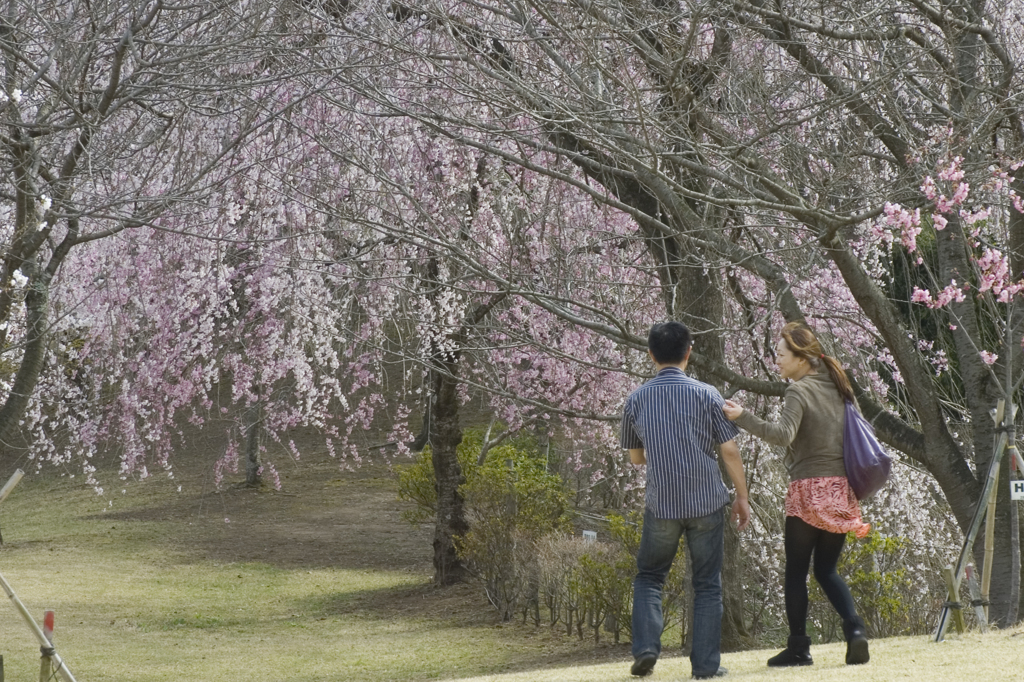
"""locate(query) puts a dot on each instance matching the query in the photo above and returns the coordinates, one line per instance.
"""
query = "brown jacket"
(810, 427)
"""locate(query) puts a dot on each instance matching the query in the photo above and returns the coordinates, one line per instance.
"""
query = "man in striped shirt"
(673, 424)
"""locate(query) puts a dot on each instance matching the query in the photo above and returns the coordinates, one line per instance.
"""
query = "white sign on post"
(1017, 490)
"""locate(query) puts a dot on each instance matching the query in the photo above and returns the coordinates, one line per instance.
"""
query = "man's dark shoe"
(797, 652)
(856, 642)
(721, 672)
(643, 665)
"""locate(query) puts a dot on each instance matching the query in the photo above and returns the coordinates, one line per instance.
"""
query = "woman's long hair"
(804, 344)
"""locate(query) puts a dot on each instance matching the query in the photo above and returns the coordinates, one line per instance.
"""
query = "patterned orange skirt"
(827, 503)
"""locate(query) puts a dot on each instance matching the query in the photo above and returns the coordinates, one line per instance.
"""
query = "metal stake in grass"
(49, 653)
(6, 490)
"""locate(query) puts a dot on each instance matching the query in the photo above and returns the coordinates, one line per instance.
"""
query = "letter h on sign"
(1017, 490)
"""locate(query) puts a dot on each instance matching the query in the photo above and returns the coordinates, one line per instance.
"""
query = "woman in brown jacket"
(820, 506)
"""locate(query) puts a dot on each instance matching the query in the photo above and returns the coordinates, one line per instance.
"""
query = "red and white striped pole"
(46, 661)
(48, 616)
(47, 651)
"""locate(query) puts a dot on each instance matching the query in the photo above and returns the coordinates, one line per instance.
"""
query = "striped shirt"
(678, 421)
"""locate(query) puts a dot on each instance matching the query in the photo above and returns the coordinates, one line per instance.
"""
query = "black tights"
(801, 540)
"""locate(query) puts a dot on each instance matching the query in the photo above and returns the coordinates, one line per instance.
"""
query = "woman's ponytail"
(803, 343)
(839, 378)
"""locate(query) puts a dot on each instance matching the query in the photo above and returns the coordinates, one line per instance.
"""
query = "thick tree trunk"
(1016, 257)
(253, 428)
(450, 522)
(21, 253)
(445, 435)
(36, 313)
(699, 305)
(982, 393)
(1020, 542)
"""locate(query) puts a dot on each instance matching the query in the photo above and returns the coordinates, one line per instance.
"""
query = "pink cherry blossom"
(921, 296)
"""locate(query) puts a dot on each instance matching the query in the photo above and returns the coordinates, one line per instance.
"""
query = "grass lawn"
(244, 585)
(168, 585)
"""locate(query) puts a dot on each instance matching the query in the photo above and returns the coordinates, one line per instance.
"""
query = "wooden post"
(45, 667)
(953, 599)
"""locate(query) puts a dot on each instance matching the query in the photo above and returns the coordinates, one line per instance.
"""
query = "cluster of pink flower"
(952, 292)
(953, 173)
(908, 222)
(994, 270)
(992, 267)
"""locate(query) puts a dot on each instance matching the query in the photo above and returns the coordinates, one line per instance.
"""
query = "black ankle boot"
(797, 652)
(856, 642)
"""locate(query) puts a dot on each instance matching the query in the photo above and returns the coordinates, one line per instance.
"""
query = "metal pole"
(61, 669)
(9, 486)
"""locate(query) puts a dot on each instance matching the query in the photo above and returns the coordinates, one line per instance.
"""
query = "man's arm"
(734, 467)
(630, 439)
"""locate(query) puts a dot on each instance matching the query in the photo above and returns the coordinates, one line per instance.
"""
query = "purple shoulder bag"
(867, 465)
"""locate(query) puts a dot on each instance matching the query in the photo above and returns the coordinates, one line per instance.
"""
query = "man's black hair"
(668, 342)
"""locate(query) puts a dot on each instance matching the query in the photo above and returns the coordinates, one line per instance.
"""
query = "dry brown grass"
(971, 657)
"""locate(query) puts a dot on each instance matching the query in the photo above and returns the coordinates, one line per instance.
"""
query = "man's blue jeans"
(658, 545)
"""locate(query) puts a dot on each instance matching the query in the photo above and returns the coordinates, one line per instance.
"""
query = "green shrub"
(416, 484)
(521, 546)
(416, 481)
(511, 502)
(606, 573)
(590, 584)
(887, 597)
(626, 530)
(584, 584)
